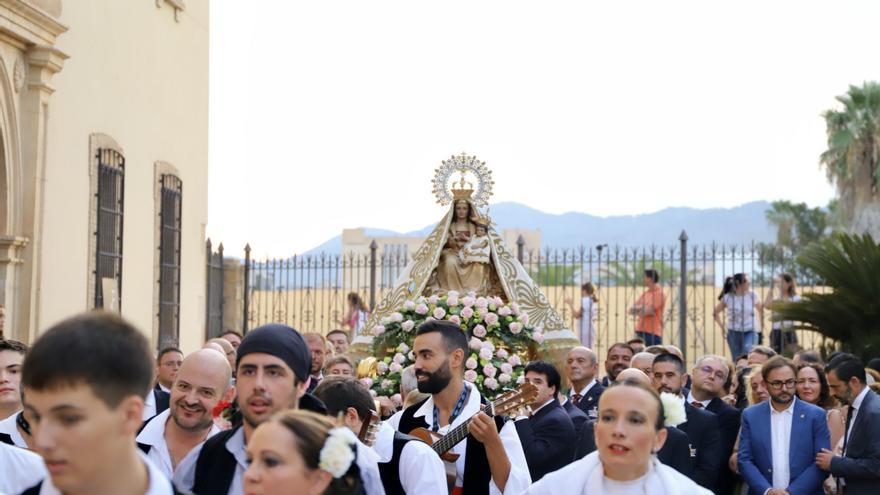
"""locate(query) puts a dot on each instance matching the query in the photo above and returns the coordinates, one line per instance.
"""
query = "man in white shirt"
(19, 469)
(582, 368)
(84, 382)
(180, 431)
(780, 438)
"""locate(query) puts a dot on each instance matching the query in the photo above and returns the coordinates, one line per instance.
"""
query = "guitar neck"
(457, 434)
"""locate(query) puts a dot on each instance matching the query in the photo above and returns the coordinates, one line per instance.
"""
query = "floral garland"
(499, 335)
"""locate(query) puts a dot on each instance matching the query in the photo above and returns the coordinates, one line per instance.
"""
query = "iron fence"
(309, 292)
(214, 291)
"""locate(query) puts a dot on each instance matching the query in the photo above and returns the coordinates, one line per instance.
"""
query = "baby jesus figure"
(476, 250)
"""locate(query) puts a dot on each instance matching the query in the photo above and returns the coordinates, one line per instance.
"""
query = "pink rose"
(467, 312)
(539, 337)
(491, 319)
(409, 305)
(422, 309)
(378, 330)
(504, 311)
(524, 318)
(515, 308)
(485, 353)
(433, 300)
(470, 375)
(403, 348)
(395, 368)
(399, 358)
(506, 368)
(489, 345)
(468, 301)
(503, 378)
(515, 328)
(475, 343)
(490, 383)
(396, 317)
(455, 319)
(521, 380)
(480, 331)
(430, 318)
(439, 313)
(452, 301)
(408, 325)
(497, 301)
(382, 367)
(514, 360)
(502, 354)
(366, 382)
(452, 293)
(482, 302)
(471, 364)
(490, 370)
(386, 384)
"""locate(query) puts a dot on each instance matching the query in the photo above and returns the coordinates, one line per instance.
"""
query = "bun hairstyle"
(731, 284)
(311, 431)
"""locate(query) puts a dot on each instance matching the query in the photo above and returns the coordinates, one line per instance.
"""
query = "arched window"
(170, 215)
(109, 216)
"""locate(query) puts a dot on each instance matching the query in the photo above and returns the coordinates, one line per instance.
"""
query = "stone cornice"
(29, 23)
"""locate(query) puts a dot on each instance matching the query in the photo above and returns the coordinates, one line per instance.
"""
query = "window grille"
(108, 230)
(169, 259)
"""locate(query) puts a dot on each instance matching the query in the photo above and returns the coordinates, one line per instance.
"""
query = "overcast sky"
(334, 114)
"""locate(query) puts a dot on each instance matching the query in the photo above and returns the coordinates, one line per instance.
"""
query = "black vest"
(476, 466)
(6, 438)
(390, 471)
(215, 467)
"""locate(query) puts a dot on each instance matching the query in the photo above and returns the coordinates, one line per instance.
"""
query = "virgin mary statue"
(465, 254)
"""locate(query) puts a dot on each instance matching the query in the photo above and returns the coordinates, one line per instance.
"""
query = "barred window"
(108, 228)
(169, 259)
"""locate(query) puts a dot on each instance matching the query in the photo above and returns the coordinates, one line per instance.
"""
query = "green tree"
(547, 275)
(797, 226)
(851, 313)
(629, 273)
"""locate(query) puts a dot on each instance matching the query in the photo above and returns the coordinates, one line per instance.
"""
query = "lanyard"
(455, 411)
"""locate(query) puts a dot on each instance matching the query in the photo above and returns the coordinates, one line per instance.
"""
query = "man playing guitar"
(490, 458)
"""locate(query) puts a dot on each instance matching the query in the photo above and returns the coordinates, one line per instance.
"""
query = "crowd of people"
(89, 409)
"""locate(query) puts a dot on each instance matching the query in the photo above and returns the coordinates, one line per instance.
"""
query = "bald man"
(581, 368)
(177, 434)
(228, 350)
(642, 361)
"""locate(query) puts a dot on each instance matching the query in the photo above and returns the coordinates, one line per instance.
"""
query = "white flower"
(503, 378)
(396, 317)
(673, 408)
(403, 348)
(489, 345)
(497, 301)
(422, 309)
(524, 318)
(378, 330)
(430, 318)
(386, 384)
(467, 312)
(433, 300)
(399, 358)
(490, 370)
(471, 364)
(490, 383)
(382, 367)
(397, 400)
(504, 311)
(491, 319)
(452, 301)
(470, 375)
(409, 305)
(479, 331)
(455, 319)
(502, 354)
(439, 313)
(468, 301)
(482, 302)
(521, 379)
(475, 343)
(514, 360)
(408, 325)
(486, 353)
(506, 368)
(385, 320)
(366, 382)
(514, 307)
(515, 328)
(394, 368)
(452, 293)
(539, 337)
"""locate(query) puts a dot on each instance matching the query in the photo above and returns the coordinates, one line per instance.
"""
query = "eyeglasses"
(777, 385)
(711, 371)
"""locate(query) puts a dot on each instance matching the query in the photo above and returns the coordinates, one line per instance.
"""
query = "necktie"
(849, 415)
(576, 398)
(697, 404)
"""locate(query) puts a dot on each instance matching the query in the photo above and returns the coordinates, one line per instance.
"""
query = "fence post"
(247, 293)
(373, 248)
(208, 259)
(520, 244)
(682, 297)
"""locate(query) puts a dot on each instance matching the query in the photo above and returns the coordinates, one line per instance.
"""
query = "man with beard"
(617, 360)
(701, 426)
(709, 375)
(582, 366)
(318, 350)
(272, 375)
(491, 458)
(201, 382)
(858, 469)
(780, 438)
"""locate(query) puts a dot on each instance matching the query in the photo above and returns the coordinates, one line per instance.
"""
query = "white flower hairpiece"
(673, 407)
(337, 454)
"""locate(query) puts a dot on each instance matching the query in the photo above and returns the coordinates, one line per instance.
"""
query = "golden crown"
(478, 194)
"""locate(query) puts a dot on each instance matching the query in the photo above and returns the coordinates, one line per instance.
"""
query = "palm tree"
(852, 160)
(851, 313)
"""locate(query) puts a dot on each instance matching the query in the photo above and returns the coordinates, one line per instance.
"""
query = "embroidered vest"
(215, 467)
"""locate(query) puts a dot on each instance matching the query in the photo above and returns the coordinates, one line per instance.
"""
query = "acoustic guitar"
(503, 405)
(369, 428)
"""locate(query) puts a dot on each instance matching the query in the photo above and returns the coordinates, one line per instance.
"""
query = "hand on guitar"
(483, 428)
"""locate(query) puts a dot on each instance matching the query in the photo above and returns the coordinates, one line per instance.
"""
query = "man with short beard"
(201, 382)
(491, 457)
(701, 426)
(617, 360)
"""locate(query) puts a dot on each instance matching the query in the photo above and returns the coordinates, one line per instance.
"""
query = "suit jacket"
(590, 401)
(728, 420)
(547, 439)
(162, 399)
(675, 452)
(809, 435)
(860, 467)
(578, 417)
(704, 437)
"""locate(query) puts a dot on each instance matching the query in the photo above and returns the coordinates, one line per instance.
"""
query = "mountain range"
(726, 226)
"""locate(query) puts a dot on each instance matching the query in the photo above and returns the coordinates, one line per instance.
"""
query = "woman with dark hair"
(783, 339)
(357, 314)
(587, 314)
(302, 452)
(812, 387)
(744, 314)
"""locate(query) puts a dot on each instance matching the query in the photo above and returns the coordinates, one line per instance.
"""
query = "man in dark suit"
(708, 375)
(547, 435)
(858, 469)
(700, 426)
(581, 423)
(582, 366)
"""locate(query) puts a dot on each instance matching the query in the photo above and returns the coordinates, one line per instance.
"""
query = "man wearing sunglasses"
(780, 438)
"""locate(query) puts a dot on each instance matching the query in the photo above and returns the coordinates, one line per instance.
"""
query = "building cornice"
(29, 23)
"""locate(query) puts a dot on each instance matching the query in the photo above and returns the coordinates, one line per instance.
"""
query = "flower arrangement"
(499, 335)
(337, 454)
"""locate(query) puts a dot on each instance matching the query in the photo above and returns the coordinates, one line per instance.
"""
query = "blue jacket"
(809, 435)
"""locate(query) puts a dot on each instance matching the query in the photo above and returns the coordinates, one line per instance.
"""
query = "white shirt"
(9, 427)
(149, 406)
(20, 469)
(153, 435)
(519, 478)
(691, 399)
(164, 388)
(780, 440)
(394, 420)
(633, 487)
(420, 469)
(856, 404)
(741, 312)
(583, 392)
(158, 484)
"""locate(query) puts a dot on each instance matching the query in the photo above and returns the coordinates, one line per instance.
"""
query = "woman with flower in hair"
(302, 452)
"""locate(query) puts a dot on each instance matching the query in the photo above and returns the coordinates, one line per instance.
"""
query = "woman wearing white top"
(587, 314)
(782, 336)
(628, 432)
(741, 305)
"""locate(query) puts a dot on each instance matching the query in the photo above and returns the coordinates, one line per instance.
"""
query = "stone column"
(10, 285)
